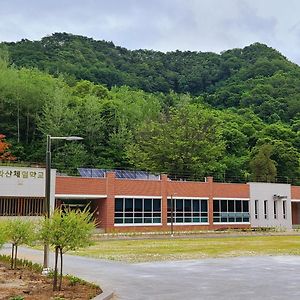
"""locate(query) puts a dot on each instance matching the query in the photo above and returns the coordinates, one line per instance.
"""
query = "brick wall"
(164, 188)
(80, 186)
(295, 192)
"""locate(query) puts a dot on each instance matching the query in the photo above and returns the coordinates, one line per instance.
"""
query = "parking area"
(261, 277)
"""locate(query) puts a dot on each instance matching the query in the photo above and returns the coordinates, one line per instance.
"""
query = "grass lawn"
(143, 250)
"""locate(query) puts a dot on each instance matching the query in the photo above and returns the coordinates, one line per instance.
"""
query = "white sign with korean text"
(23, 181)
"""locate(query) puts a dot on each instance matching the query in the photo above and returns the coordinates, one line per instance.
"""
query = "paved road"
(231, 278)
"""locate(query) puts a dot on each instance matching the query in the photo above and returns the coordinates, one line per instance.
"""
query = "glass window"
(231, 205)
(196, 206)
(148, 204)
(216, 206)
(119, 205)
(245, 206)
(187, 205)
(156, 204)
(204, 205)
(224, 205)
(232, 211)
(178, 204)
(238, 205)
(266, 209)
(138, 204)
(275, 210)
(256, 209)
(188, 211)
(128, 205)
(284, 208)
(137, 211)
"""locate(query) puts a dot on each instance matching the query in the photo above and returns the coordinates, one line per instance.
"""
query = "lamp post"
(48, 184)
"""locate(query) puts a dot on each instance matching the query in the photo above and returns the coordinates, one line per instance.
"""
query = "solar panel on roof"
(97, 173)
(121, 174)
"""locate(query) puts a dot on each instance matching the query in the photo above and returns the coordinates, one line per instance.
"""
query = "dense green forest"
(192, 114)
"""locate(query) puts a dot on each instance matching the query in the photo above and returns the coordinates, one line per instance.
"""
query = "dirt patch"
(32, 285)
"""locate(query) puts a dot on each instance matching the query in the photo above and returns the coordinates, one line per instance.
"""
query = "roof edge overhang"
(295, 200)
(79, 196)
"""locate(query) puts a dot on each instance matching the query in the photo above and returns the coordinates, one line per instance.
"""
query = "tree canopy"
(188, 112)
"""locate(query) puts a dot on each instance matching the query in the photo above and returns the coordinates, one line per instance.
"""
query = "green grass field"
(143, 250)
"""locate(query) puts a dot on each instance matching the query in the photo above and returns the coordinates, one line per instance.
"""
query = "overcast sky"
(166, 25)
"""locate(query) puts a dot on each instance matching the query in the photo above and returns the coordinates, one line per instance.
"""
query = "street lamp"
(48, 183)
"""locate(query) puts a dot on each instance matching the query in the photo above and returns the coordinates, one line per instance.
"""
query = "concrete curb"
(104, 296)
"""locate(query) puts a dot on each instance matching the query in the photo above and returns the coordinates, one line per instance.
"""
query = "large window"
(137, 211)
(231, 211)
(188, 211)
(22, 206)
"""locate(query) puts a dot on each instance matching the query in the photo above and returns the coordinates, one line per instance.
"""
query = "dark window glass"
(204, 205)
(224, 205)
(148, 205)
(231, 205)
(128, 205)
(187, 205)
(138, 204)
(156, 204)
(118, 204)
(179, 205)
(245, 206)
(238, 205)
(196, 207)
(216, 205)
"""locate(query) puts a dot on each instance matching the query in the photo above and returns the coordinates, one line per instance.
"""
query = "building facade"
(22, 191)
(155, 203)
(122, 204)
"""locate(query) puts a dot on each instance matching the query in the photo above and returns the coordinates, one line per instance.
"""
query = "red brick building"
(121, 204)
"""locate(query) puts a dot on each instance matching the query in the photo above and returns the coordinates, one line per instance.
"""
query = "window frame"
(188, 217)
(222, 217)
(139, 216)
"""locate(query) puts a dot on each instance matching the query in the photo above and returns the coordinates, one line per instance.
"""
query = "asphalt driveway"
(263, 277)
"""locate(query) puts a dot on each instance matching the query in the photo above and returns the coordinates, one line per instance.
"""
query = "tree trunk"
(16, 255)
(27, 128)
(18, 121)
(61, 268)
(55, 270)
(12, 256)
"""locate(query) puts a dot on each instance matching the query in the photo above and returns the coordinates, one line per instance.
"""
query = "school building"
(123, 202)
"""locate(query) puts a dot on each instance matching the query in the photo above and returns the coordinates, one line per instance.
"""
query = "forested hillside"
(191, 113)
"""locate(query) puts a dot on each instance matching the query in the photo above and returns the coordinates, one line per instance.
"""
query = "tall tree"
(263, 168)
(187, 143)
